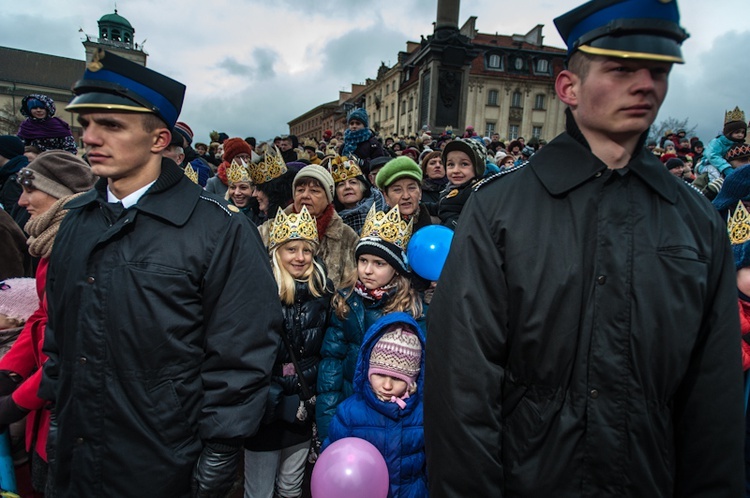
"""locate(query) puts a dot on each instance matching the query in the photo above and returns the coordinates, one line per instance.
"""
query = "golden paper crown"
(309, 142)
(271, 167)
(734, 115)
(738, 225)
(238, 172)
(343, 168)
(191, 173)
(299, 226)
(387, 226)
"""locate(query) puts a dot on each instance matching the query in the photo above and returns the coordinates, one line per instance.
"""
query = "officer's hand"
(216, 469)
(8, 382)
(9, 411)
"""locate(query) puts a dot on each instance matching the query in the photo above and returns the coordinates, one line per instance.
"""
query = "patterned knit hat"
(18, 298)
(398, 353)
(472, 148)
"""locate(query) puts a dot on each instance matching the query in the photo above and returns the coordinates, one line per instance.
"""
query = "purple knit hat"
(398, 353)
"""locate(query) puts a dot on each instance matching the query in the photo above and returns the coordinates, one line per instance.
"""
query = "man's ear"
(566, 87)
(161, 139)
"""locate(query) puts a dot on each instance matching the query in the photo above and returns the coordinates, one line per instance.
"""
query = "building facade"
(495, 83)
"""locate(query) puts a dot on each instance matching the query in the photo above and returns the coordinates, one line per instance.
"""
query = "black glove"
(9, 411)
(216, 469)
(8, 382)
(51, 488)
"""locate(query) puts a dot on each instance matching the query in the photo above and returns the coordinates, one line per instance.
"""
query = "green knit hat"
(395, 169)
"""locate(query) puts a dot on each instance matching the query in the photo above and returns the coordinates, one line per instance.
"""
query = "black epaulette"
(230, 209)
(497, 175)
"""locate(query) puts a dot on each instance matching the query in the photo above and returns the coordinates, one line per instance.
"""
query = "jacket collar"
(580, 165)
(172, 197)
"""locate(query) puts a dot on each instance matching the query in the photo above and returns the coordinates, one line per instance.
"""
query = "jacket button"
(90, 280)
(79, 440)
(601, 279)
(598, 174)
(82, 360)
(594, 394)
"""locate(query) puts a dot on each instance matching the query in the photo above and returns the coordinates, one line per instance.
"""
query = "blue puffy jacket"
(339, 352)
(397, 433)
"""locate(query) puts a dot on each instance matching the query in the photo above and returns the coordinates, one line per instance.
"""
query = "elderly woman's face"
(349, 192)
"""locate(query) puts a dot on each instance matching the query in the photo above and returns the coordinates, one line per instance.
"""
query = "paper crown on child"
(191, 173)
(387, 226)
(386, 235)
(343, 168)
(237, 172)
(735, 114)
(271, 167)
(398, 354)
(294, 226)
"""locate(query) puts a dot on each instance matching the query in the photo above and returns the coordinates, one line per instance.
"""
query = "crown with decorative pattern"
(238, 172)
(734, 115)
(191, 173)
(738, 225)
(271, 167)
(294, 226)
(387, 226)
(342, 168)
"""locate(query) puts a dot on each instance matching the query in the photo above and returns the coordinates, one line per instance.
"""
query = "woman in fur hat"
(52, 180)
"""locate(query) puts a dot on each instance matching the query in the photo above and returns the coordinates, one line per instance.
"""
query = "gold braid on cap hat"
(299, 226)
(387, 226)
(271, 167)
(735, 115)
(343, 168)
(238, 173)
(738, 225)
(191, 173)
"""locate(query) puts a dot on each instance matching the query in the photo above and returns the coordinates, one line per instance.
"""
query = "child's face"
(459, 167)
(374, 272)
(296, 257)
(738, 134)
(385, 386)
(39, 112)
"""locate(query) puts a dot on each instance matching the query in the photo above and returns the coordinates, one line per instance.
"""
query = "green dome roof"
(116, 19)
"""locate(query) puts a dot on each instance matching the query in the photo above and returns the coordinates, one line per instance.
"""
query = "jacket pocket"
(168, 418)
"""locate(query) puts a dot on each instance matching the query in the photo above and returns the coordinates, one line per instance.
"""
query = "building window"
(393, 109)
(539, 101)
(516, 99)
(115, 35)
(512, 131)
(518, 63)
(492, 97)
(542, 66)
(387, 88)
(536, 131)
(494, 61)
(403, 107)
(489, 128)
(411, 103)
(386, 113)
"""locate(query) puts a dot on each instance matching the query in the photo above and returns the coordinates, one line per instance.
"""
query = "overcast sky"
(251, 66)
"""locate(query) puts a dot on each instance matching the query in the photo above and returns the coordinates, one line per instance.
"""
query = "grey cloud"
(261, 68)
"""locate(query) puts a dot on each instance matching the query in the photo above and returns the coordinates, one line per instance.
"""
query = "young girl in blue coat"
(275, 457)
(380, 285)
(386, 408)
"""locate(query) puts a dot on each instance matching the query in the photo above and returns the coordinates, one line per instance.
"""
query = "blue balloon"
(428, 249)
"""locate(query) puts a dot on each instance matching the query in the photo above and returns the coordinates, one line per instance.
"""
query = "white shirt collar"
(129, 200)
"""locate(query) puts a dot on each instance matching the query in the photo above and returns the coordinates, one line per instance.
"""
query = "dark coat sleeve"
(240, 347)
(330, 385)
(465, 357)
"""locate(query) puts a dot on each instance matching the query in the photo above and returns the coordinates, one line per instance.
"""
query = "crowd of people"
(206, 319)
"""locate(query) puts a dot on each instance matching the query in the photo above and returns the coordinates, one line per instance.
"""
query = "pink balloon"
(350, 467)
